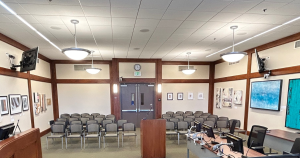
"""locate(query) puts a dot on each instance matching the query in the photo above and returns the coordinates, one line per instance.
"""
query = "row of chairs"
(92, 130)
(86, 115)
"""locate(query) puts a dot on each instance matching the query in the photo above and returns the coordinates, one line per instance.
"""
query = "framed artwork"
(36, 97)
(169, 96)
(218, 98)
(4, 105)
(227, 95)
(200, 96)
(266, 95)
(43, 102)
(37, 108)
(190, 96)
(237, 97)
(15, 103)
(179, 96)
(293, 105)
(25, 102)
(48, 101)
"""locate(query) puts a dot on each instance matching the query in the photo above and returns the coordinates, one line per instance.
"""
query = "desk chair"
(76, 122)
(170, 128)
(232, 127)
(193, 117)
(57, 131)
(170, 113)
(92, 131)
(61, 119)
(66, 115)
(222, 127)
(76, 116)
(107, 116)
(204, 117)
(213, 116)
(182, 128)
(256, 138)
(76, 131)
(180, 112)
(167, 118)
(91, 117)
(60, 123)
(223, 119)
(129, 130)
(120, 124)
(238, 125)
(111, 130)
(73, 119)
(84, 120)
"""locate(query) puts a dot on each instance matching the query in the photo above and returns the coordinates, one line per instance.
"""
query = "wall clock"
(137, 67)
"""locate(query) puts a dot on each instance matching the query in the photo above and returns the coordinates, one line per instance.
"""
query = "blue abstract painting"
(266, 95)
(292, 119)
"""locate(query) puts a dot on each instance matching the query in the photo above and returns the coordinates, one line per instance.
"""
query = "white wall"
(42, 120)
(237, 111)
(84, 98)
(42, 69)
(272, 119)
(172, 72)
(12, 85)
(185, 104)
(6, 48)
(66, 71)
(225, 70)
(126, 70)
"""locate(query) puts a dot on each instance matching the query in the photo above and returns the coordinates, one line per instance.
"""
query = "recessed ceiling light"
(242, 33)
(55, 28)
(144, 30)
(136, 48)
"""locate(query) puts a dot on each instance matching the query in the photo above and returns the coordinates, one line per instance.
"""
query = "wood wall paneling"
(115, 97)
(82, 81)
(231, 78)
(54, 91)
(136, 60)
(11, 73)
(185, 80)
(81, 62)
(45, 132)
(184, 63)
(39, 78)
(211, 88)
(30, 101)
(138, 80)
(158, 104)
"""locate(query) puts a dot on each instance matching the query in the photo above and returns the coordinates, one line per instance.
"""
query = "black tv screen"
(29, 59)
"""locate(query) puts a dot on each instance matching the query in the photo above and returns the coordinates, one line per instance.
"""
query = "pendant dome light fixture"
(74, 52)
(188, 71)
(233, 56)
(93, 70)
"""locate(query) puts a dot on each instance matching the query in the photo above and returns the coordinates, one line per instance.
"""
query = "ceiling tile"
(274, 19)
(5, 19)
(123, 22)
(212, 5)
(213, 25)
(126, 3)
(146, 23)
(16, 8)
(184, 5)
(97, 11)
(225, 17)
(155, 4)
(248, 18)
(48, 19)
(201, 16)
(68, 10)
(176, 15)
(102, 3)
(241, 6)
(188, 24)
(93, 20)
(181, 31)
(124, 12)
(169, 23)
(271, 7)
(151, 13)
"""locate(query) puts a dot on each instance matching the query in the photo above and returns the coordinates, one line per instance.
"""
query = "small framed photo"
(15, 103)
(190, 96)
(25, 102)
(49, 101)
(169, 96)
(179, 96)
(4, 105)
(37, 108)
(200, 96)
(36, 97)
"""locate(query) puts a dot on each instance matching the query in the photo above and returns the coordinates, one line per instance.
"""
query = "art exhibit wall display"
(37, 108)
(266, 95)
(4, 105)
(48, 101)
(169, 96)
(237, 97)
(15, 103)
(227, 95)
(179, 96)
(200, 96)
(25, 102)
(218, 97)
(293, 105)
(36, 97)
(43, 102)
(190, 96)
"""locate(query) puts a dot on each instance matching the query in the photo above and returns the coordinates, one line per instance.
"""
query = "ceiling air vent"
(297, 44)
(180, 68)
(81, 67)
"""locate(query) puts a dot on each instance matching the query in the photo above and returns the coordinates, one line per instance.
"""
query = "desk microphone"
(215, 147)
(248, 150)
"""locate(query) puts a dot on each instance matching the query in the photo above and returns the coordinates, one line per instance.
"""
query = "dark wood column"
(158, 104)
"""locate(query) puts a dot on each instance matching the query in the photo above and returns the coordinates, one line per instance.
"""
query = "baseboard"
(45, 132)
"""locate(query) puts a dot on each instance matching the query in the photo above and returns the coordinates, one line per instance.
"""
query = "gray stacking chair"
(91, 122)
(60, 123)
(205, 114)
(238, 125)
(76, 131)
(120, 124)
(99, 120)
(185, 115)
(61, 119)
(182, 128)
(223, 119)
(111, 118)
(170, 128)
(204, 117)
(104, 122)
(102, 116)
(84, 114)
(210, 123)
(213, 116)
(91, 117)
(170, 113)
(180, 118)
(57, 131)
(84, 120)
(180, 112)
(92, 131)
(199, 119)
(193, 117)
(222, 127)
(165, 115)
(213, 120)
(111, 130)
(175, 120)
(174, 115)
(73, 119)
(197, 115)
(129, 130)
(95, 114)
(189, 112)
(167, 118)
(188, 120)
(76, 116)
(198, 112)
(76, 123)
(66, 115)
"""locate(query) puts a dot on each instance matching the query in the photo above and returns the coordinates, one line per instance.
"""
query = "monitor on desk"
(6, 130)
(237, 143)
(209, 131)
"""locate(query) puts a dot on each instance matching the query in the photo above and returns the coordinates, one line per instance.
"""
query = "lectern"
(153, 138)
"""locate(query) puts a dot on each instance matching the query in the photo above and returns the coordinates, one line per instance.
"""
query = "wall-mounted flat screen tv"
(292, 119)
(266, 95)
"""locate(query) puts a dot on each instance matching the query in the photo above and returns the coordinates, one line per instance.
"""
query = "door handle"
(147, 110)
(129, 110)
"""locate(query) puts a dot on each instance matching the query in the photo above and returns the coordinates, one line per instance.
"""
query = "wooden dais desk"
(207, 152)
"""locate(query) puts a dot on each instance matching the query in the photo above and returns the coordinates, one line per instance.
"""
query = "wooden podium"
(153, 138)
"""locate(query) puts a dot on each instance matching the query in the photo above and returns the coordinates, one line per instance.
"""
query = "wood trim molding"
(81, 81)
(211, 88)
(11, 73)
(54, 91)
(30, 101)
(115, 97)
(185, 81)
(138, 80)
(158, 104)
(81, 62)
(39, 78)
(134, 60)
(247, 98)
(218, 61)
(276, 72)
(45, 132)
(231, 78)
(185, 63)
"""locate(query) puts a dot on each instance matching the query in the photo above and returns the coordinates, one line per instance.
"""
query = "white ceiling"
(112, 27)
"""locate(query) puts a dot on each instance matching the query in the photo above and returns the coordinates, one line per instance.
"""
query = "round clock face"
(137, 67)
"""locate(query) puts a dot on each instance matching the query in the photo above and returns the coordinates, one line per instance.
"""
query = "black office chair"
(232, 127)
(256, 138)
(295, 148)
